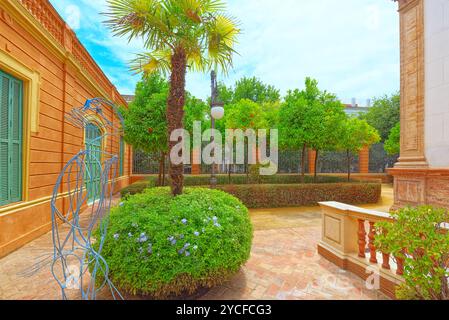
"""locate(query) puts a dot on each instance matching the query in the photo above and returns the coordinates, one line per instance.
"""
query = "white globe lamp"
(217, 111)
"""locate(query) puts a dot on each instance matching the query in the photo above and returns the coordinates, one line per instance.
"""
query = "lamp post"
(216, 113)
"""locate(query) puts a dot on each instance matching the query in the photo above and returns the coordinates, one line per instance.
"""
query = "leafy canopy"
(244, 115)
(356, 134)
(392, 144)
(146, 117)
(384, 114)
(310, 116)
(249, 88)
(198, 27)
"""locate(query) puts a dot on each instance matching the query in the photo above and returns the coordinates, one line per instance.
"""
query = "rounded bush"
(163, 246)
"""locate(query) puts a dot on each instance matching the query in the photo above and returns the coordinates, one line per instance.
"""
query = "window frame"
(14, 198)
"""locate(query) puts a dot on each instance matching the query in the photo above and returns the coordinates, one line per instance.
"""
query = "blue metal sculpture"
(86, 184)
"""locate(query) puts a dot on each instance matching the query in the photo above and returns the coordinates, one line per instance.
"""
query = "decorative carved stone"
(412, 84)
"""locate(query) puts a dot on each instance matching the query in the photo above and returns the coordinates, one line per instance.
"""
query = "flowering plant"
(164, 246)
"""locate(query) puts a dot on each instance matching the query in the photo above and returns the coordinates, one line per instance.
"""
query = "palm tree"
(178, 34)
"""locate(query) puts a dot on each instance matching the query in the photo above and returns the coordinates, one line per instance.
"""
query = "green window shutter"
(4, 139)
(122, 156)
(11, 95)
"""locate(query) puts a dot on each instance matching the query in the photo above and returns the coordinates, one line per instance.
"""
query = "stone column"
(409, 172)
(312, 156)
(364, 160)
(412, 84)
(196, 166)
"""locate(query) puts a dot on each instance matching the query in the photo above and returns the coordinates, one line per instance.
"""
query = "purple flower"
(181, 236)
(215, 219)
(130, 234)
(116, 236)
(143, 237)
(196, 233)
(173, 242)
(184, 221)
(217, 225)
(187, 254)
(121, 204)
(181, 251)
(187, 245)
(140, 250)
(150, 249)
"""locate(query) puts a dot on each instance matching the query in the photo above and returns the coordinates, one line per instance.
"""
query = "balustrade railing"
(348, 239)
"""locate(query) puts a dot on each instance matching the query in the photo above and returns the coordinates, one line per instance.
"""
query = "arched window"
(93, 140)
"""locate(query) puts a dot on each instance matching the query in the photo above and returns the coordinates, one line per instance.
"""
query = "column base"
(420, 186)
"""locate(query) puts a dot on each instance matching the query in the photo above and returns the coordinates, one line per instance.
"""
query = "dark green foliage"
(392, 144)
(384, 114)
(204, 180)
(151, 250)
(420, 236)
(296, 195)
(249, 89)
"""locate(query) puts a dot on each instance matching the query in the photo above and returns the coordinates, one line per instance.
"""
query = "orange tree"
(178, 34)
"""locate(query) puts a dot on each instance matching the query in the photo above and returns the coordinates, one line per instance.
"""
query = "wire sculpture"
(86, 184)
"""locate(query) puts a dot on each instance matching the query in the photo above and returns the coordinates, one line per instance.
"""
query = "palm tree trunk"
(175, 113)
(303, 162)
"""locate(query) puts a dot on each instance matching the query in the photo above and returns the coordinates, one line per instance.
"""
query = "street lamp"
(217, 113)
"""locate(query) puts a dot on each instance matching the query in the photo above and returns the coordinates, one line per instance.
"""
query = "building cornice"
(42, 21)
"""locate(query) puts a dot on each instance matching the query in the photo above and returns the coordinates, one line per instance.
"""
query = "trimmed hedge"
(204, 180)
(276, 196)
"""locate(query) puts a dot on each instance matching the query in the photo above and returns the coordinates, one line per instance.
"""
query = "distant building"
(128, 98)
(354, 110)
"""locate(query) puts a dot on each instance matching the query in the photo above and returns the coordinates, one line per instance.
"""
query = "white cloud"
(350, 46)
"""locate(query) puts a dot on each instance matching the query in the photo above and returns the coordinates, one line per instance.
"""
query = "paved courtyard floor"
(284, 263)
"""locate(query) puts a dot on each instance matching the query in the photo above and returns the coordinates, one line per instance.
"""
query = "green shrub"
(275, 196)
(204, 180)
(420, 231)
(164, 246)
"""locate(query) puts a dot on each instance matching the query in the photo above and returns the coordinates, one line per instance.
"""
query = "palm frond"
(152, 62)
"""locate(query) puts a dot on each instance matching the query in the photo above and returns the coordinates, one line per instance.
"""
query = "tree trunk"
(161, 164)
(303, 162)
(348, 154)
(163, 169)
(316, 166)
(175, 113)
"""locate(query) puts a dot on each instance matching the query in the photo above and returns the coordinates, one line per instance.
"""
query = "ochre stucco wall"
(33, 36)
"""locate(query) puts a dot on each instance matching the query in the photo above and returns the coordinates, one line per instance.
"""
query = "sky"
(350, 46)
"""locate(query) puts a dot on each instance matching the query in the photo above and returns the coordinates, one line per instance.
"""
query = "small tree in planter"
(419, 235)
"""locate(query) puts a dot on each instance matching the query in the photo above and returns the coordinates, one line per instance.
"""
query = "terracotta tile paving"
(284, 264)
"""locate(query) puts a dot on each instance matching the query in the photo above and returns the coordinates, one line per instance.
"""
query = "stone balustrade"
(348, 237)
